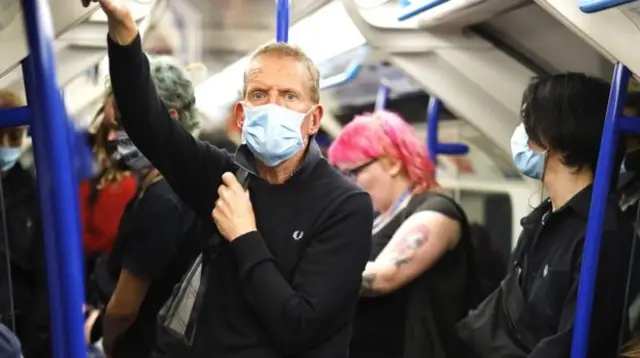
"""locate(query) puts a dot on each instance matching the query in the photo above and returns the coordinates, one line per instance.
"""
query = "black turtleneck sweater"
(290, 288)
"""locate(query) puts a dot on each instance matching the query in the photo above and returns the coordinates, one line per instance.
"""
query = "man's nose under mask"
(272, 133)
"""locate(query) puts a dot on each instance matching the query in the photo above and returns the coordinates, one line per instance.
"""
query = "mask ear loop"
(544, 173)
(7, 256)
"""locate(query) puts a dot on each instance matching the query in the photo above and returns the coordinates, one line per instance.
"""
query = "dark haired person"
(102, 199)
(532, 313)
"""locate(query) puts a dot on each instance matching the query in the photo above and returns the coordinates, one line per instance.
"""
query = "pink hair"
(384, 134)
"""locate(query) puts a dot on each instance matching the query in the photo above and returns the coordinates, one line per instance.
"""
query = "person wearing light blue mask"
(272, 132)
(28, 313)
(10, 147)
(532, 312)
(529, 162)
(9, 156)
(290, 266)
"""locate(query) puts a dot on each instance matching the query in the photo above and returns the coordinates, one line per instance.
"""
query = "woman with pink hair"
(416, 284)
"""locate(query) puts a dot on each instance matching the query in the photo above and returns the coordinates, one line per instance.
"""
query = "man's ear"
(315, 116)
(238, 114)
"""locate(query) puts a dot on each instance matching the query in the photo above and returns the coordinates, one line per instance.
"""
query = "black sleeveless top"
(417, 320)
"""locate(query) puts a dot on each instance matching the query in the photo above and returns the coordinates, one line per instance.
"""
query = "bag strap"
(208, 255)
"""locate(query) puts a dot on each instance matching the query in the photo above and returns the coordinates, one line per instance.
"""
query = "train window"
(491, 212)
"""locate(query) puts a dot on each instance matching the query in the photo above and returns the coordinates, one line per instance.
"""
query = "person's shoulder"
(439, 203)
(158, 196)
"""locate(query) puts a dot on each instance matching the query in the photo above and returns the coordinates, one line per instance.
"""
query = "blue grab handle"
(435, 147)
(382, 97)
(282, 20)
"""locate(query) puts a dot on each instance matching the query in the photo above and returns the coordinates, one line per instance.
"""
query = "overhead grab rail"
(410, 9)
(347, 76)
(57, 185)
(282, 35)
(433, 116)
(282, 20)
(435, 147)
(382, 96)
(615, 124)
(592, 6)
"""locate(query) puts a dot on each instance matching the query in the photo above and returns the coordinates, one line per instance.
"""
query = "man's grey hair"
(288, 50)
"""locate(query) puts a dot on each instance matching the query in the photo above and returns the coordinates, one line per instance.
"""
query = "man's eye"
(291, 96)
(257, 95)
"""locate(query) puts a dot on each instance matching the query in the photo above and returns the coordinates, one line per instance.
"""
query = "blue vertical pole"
(56, 183)
(382, 96)
(282, 20)
(433, 112)
(601, 186)
(46, 208)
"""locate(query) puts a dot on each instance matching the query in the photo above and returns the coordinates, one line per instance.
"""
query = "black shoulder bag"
(178, 317)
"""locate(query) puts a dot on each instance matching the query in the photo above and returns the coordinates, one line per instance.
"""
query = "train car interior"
(455, 69)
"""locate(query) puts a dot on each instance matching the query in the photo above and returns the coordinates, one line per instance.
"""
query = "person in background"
(417, 283)
(103, 198)
(629, 181)
(158, 237)
(24, 304)
(532, 313)
(628, 192)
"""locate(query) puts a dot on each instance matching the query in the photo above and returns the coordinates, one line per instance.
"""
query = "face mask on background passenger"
(272, 132)
(9, 156)
(529, 163)
(122, 151)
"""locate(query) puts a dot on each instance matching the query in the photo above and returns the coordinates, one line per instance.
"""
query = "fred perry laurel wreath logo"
(298, 234)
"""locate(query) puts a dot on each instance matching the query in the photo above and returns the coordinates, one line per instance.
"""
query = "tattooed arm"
(416, 246)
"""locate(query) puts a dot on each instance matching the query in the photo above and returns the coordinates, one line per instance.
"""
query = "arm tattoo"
(405, 249)
(366, 289)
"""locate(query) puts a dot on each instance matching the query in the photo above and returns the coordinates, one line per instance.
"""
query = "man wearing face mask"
(286, 278)
(158, 237)
(532, 313)
(24, 303)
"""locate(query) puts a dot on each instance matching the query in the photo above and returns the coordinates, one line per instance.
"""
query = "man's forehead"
(276, 65)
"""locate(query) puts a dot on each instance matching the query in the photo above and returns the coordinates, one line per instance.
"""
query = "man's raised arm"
(192, 168)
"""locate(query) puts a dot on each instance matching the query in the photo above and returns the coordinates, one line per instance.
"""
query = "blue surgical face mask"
(529, 163)
(9, 156)
(272, 132)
